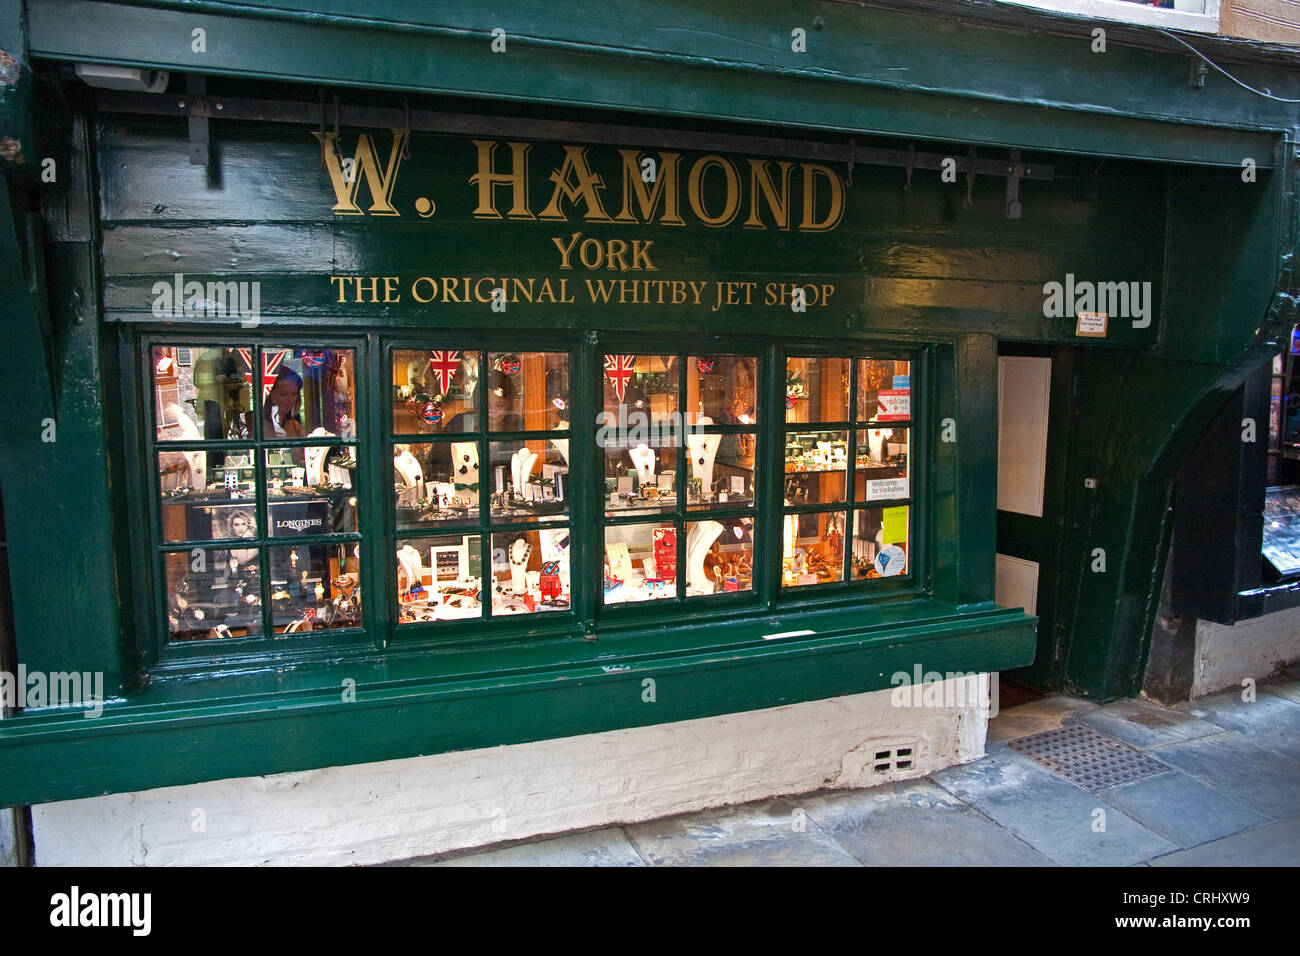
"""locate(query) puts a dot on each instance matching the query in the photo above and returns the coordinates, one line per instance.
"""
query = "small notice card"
(1092, 324)
(895, 521)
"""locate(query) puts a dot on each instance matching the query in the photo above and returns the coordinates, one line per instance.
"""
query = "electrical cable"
(1245, 86)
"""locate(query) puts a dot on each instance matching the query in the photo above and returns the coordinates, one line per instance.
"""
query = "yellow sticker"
(895, 520)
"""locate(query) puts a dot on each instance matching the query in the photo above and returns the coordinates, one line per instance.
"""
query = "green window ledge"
(410, 704)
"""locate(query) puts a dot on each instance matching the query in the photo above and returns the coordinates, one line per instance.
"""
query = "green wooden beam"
(864, 71)
(140, 746)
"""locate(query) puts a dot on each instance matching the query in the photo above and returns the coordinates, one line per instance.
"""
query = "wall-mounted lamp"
(130, 78)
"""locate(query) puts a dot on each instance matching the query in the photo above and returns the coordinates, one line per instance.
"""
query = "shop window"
(254, 450)
(842, 524)
(678, 441)
(704, 478)
(480, 451)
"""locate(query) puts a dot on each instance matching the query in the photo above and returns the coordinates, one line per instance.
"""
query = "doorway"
(1035, 423)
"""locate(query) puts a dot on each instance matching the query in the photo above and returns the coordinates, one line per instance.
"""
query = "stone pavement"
(1225, 792)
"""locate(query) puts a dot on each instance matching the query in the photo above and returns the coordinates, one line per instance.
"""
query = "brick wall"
(1277, 21)
(372, 813)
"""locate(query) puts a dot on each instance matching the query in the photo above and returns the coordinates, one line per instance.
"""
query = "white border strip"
(1207, 22)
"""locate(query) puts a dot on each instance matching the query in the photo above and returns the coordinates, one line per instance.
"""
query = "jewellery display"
(876, 438)
(644, 460)
(464, 462)
(562, 444)
(520, 552)
(521, 468)
(699, 539)
(702, 450)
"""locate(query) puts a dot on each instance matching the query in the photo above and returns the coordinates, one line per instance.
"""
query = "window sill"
(409, 704)
(1136, 13)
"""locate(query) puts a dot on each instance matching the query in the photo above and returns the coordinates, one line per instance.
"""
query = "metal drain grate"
(1086, 758)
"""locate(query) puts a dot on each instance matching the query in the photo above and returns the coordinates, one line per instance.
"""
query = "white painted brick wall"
(1227, 654)
(397, 809)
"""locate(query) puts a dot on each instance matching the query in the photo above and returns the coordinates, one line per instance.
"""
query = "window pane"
(882, 472)
(435, 391)
(528, 481)
(884, 390)
(439, 579)
(812, 549)
(530, 571)
(719, 556)
(528, 391)
(311, 490)
(646, 386)
(880, 538)
(213, 593)
(722, 389)
(315, 587)
(816, 389)
(721, 470)
(430, 486)
(201, 393)
(640, 562)
(816, 464)
(303, 389)
(202, 490)
(641, 478)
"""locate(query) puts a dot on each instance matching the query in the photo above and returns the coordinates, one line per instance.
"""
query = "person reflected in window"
(280, 415)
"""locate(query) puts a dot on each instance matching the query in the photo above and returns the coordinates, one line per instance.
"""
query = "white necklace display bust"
(644, 460)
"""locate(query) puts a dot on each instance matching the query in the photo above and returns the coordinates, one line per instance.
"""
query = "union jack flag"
(272, 360)
(444, 364)
(619, 370)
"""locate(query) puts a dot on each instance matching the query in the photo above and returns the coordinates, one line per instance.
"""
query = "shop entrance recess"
(1035, 421)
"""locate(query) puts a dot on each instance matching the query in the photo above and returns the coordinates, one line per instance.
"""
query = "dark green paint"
(916, 270)
(401, 710)
(728, 60)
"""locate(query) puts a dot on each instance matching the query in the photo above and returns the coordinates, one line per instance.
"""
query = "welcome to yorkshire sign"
(601, 202)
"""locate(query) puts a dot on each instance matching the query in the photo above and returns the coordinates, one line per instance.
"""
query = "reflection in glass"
(530, 571)
(528, 391)
(311, 490)
(882, 464)
(213, 593)
(812, 549)
(722, 388)
(816, 463)
(719, 556)
(641, 388)
(435, 391)
(879, 542)
(306, 391)
(640, 563)
(315, 587)
(884, 390)
(439, 579)
(816, 389)
(527, 481)
(202, 490)
(201, 393)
